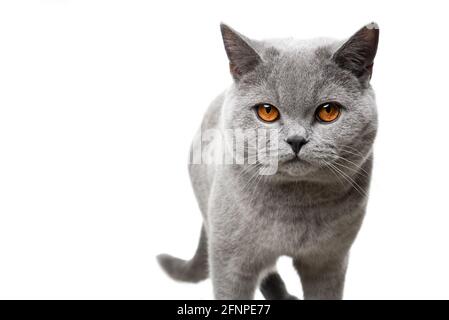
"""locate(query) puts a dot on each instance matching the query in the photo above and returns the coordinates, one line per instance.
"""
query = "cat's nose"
(296, 143)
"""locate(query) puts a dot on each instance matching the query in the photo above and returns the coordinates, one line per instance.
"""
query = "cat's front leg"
(234, 273)
(322, 277)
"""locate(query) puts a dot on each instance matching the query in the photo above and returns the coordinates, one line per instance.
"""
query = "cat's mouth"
(292, 159)
(295, 166)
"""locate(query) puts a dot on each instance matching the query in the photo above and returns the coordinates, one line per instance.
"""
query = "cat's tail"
(193, 270)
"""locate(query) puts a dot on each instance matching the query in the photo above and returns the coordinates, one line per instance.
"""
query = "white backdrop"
(99, 101)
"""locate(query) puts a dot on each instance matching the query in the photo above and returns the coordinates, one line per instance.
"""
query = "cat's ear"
(242, 57)
(357, 54)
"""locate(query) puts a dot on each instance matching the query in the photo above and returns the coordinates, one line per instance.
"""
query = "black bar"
(210, 309)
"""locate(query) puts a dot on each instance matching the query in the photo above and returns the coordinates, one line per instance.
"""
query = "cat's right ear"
(242, 57)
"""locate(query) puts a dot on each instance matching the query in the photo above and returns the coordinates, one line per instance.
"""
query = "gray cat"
(317, 96)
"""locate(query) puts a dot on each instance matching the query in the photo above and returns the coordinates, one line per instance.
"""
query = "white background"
(99, 101)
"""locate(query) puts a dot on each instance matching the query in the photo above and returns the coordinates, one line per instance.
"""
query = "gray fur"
(307, 210)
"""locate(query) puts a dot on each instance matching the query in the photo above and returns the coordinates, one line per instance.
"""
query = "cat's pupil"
(267, 109)
(327, 108)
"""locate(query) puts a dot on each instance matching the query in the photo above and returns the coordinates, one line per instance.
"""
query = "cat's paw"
(290, 297)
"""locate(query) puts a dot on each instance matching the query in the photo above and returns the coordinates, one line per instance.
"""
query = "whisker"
(334, 172)
(353, 163)
(355, 170)
(352, 151)
(254, 191)
(355, 185)
(247, 169)
(249, 182)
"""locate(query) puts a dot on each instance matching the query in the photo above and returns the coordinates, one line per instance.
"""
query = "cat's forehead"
(290, 56)
(291, 45)
(300, 72)
(298, 66)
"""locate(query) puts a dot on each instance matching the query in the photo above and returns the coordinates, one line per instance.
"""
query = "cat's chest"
(292, 220)
(291, 203)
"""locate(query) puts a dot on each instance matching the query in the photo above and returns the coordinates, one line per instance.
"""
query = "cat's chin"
(295, 168)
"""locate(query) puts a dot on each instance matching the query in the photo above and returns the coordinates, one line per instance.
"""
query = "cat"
(316, 95)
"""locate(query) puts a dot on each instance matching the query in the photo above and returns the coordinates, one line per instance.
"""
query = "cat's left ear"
(357, 54)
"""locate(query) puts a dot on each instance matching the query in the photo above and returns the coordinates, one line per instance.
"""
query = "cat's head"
(316, 94)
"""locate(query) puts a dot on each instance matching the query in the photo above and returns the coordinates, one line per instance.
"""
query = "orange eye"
(267, 112)
(328, 112)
